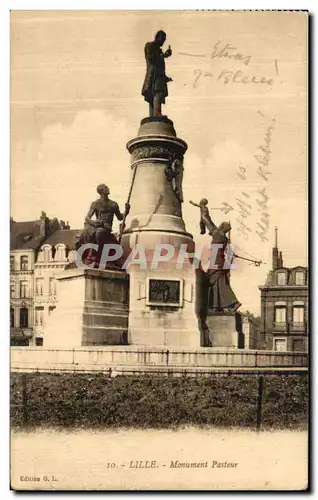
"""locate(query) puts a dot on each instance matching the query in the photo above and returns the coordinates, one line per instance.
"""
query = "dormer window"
(60, 253)
(46, 254)
(299, 278)
(281, 279)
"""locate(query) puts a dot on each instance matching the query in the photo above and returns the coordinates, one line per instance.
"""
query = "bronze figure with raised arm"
(205, 219)
(155, 89)
(221, 296)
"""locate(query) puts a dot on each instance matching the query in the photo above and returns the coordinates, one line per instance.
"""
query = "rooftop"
(66, 237)
(25, 235)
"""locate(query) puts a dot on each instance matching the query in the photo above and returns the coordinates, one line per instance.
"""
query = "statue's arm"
(168, 52)
(118, 213)
(90, 214)
(194, 204)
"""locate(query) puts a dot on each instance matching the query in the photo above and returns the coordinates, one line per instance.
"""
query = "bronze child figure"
(205, 215)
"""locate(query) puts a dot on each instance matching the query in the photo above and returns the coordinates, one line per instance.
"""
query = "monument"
(162, 298)
(93, 302)
(159, 300)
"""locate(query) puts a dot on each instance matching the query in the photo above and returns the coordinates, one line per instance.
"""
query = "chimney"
(280, 260)
(63, 225)
(44, 224)
(275, 259)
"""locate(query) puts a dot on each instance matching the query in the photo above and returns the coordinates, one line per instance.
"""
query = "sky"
(76, 78)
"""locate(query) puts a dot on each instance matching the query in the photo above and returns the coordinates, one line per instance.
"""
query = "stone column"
(156, 217)
(155, 206)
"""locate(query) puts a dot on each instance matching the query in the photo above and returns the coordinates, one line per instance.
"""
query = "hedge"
(97, 401)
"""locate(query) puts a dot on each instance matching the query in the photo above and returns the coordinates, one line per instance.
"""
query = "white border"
(5, 198)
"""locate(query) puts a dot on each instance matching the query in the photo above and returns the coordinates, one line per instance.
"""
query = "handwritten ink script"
(226, 77)
(244, 203)
(229, 53)
(263, 160)
(223, 51)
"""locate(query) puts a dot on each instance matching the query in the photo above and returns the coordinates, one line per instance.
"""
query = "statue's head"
(160, 38)
(102, 189)
(225, 227)
(204, 201)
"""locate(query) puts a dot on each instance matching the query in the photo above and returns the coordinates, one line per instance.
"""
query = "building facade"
(284, 306)
(21, 296)
(251, 331)
(29, 296)
(53, 256)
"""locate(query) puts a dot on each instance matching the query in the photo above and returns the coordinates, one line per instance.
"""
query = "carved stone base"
(92, 309)
(224, 330)
(169, 322)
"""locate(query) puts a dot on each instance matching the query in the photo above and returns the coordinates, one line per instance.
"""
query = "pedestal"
(92, 309)
(224, 330)
(164, 316)
(154, 324)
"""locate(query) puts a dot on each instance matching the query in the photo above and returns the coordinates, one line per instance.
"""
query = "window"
(60, 253)
(39, 341)
(24, 263)
(280, 345)
(299, 278)
(39, 286)
(280, 312)
(298, 312)
(23, 289)
(11, 317)
(52, 289)
(47, 254)
(11, 263)
(12, 290)
(51, 309)
(39, 311)
(281, 279)
(298, 345)
(24, 317)
(72, 256)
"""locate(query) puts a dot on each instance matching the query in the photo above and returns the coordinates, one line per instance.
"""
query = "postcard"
(158, 250)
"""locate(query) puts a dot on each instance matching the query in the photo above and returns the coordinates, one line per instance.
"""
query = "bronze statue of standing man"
(155, 89)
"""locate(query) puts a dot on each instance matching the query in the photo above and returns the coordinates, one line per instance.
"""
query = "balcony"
(296, 327)
(290, 327)
(21, 333)
(280, 327)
